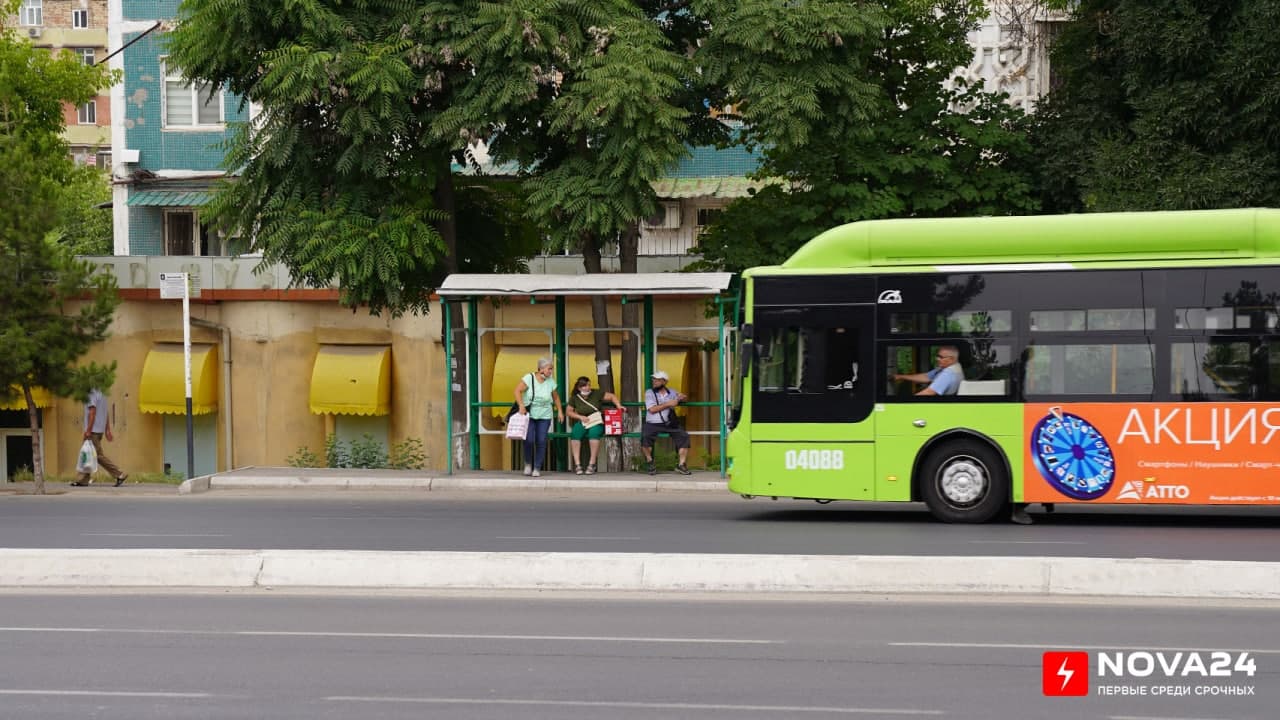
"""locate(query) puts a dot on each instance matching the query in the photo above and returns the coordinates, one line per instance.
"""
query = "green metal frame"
(560, 352)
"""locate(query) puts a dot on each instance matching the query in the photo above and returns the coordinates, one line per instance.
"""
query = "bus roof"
(1084, 238)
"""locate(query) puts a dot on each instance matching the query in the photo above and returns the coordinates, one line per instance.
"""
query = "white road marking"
(398, 636)
(565, 537)
(150, 535)
(1145, 717)
(104, 693)
(638, 705)
(1028, 542)
(1076, 646)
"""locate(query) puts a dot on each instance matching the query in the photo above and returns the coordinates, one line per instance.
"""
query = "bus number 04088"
(815, 459)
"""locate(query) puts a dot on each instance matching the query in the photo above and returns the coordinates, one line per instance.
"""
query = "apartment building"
(79, 27)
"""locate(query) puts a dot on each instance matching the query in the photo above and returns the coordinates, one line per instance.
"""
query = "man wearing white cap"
(660, 404)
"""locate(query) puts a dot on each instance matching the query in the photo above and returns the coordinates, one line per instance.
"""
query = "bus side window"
(1090, 369)
(1273, 371)
(781, 361)
(841, 359)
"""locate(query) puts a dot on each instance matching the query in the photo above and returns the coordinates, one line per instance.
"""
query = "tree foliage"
(585, 98)
(858, 115)
(1166, 106)
(55, 307)
(83, 226)
(341, 176)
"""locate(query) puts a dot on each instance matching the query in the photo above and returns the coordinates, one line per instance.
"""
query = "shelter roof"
(468, 285)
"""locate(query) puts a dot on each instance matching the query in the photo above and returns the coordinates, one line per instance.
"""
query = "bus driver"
(944, 379)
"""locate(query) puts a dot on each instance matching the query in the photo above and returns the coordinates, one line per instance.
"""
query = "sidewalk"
(353, 479)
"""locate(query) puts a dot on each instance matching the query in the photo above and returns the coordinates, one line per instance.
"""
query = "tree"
(1166, 106)
(340, 176)
(83, 226)
(55, 307)
(590, 100)
(858, 116)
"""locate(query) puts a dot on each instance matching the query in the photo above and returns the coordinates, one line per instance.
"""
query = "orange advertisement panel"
(1170, 453)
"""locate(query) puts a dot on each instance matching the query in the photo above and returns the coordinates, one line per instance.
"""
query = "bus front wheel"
(964, 481)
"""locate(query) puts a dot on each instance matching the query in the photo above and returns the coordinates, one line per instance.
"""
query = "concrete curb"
(279, 481)
(1036, 576)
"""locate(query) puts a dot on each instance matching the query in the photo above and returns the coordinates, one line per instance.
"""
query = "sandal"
(577, 470)
(591, 469)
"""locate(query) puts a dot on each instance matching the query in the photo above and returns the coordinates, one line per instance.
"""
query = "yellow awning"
(515, 361)
(351, 380)
(43, 398)
(163, 387)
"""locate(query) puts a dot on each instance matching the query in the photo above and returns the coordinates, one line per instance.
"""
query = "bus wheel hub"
(964, 481)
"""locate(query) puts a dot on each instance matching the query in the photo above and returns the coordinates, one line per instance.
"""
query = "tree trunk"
(592, 262)
(446, 201)
(628, 251)
(33, 417)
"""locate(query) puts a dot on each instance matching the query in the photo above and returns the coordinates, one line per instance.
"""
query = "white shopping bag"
(517, 426)
(87, 462)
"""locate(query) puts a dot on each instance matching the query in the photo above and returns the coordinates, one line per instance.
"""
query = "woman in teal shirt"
(536, 397)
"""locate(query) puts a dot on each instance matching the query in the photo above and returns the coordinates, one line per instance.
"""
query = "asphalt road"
(139, 657)
(611, 522)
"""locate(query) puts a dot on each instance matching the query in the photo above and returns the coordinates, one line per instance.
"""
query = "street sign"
(173, 286)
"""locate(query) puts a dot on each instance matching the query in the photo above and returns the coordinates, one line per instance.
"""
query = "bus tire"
(964, 481)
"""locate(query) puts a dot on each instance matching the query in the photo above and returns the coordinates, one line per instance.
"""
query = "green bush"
(365, 453)
(335, 453)
(303, 458)
(408, 454)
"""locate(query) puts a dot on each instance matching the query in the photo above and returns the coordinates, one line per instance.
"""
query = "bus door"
(813, 390)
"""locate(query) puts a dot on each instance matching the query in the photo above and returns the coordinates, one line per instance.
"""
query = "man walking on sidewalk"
(97, 423)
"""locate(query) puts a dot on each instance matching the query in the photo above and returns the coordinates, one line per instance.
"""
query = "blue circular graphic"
(1073, 456)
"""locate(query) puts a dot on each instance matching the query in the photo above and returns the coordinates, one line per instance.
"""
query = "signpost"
(172, 287)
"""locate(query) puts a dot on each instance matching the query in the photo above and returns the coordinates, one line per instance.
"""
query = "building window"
(104, 159)
(32, 13)
(87, 55)
(185, 235)
(80, 19)
(87, 114)
(188, 105)
(707, 216)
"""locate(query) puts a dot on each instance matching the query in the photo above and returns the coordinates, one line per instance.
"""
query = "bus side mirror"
(747, 332)
(745, 352)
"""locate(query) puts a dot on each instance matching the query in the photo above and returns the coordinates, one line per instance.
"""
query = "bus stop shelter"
(472, 401)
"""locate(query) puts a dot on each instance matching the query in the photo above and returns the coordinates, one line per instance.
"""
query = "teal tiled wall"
(146, 231)
(166, 149)
(150, 9)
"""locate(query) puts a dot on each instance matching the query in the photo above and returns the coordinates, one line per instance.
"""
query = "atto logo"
(1132, 490)
(1065, 673)
(1136, 490)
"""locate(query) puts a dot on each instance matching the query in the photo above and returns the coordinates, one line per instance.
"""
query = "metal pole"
(724, 382)
(448, 386)
(186, 371)
(562, 365)
(473, 382)
(648, 347)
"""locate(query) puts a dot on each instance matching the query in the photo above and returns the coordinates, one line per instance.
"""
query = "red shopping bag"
(612, 421)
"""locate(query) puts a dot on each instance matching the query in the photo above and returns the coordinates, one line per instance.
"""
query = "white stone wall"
(1010, 50)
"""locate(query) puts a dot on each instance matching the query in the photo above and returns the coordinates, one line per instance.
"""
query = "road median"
(670, 572)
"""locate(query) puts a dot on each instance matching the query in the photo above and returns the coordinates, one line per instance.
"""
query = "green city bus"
(1106, 359)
